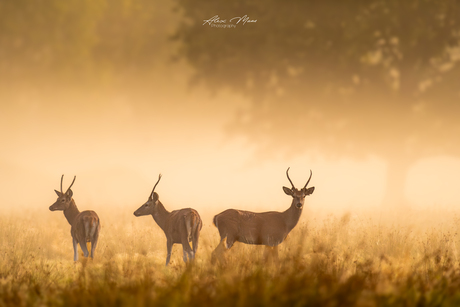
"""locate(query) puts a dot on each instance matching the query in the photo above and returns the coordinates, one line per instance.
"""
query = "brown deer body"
(265, 228)
(180, 226)
(84, 226)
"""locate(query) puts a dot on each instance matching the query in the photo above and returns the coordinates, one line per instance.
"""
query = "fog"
(117, 148)
(116, 134)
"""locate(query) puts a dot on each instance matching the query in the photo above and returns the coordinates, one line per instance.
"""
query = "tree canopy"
(348, 72)
(341, 78)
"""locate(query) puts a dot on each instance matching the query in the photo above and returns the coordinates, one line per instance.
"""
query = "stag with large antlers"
(180, 226)
(84, 226)
(265, 228)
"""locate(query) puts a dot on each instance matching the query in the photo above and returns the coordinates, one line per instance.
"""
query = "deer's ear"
(155, 196)
(287, 191)
(309, 191)
(58, 193)
(69, 194)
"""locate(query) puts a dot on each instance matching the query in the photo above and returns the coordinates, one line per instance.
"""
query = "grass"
(345, 260)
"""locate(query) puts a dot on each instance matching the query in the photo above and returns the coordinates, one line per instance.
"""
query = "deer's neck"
(71, 212)
(292, 216)
(160, 215)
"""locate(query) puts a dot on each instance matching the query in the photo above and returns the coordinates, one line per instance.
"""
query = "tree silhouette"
(350, 78)
(88, 41)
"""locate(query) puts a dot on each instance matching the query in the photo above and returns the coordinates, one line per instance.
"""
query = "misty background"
(365, 94)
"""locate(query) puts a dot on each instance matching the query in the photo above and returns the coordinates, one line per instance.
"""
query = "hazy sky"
(117, 140)
(117, 147)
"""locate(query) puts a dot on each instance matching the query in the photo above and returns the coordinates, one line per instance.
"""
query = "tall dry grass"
(333, 260)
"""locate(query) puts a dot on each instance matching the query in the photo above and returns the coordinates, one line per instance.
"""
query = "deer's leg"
(230, 242)
(267, 252)
(84, 247)
(169, 245)
(186, 249)
(75, 249)
(275, 253)
(188, 227)
(271, 253)
(275, 256)
(219, 251)
(187, 255)
(94, 244)
(195, 240)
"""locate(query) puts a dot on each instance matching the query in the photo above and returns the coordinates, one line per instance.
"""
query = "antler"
(308, 180)
(151, 194)
(62, 177)
(74, 177)
(287, 174)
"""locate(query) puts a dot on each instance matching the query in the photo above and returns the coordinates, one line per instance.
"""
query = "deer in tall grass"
(84, 226)
(180, 226)
(265, 228)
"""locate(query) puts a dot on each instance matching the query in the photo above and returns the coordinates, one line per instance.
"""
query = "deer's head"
(64, 199)
(298, 195)
(149, 206)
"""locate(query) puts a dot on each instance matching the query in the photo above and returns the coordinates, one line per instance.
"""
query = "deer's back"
(268, 228)
(245, 218)
(85, 226)
(182, 222)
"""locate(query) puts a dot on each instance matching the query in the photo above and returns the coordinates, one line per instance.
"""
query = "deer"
(179, 226)
(84, 226)
(264, 228)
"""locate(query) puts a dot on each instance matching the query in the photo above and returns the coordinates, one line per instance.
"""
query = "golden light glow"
(117, 137)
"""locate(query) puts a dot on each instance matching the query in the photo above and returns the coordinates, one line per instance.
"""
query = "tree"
(338, 77)
(80, 41)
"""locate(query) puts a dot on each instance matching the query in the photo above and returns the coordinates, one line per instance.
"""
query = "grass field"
(334, 260)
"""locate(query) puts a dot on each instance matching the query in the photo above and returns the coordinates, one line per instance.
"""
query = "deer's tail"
(192, 224)
(214, 221)
(91, 225)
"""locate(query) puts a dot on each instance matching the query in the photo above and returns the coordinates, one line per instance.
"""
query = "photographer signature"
(235, 20)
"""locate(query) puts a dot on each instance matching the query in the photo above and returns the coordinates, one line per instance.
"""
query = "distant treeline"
(81, 38)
